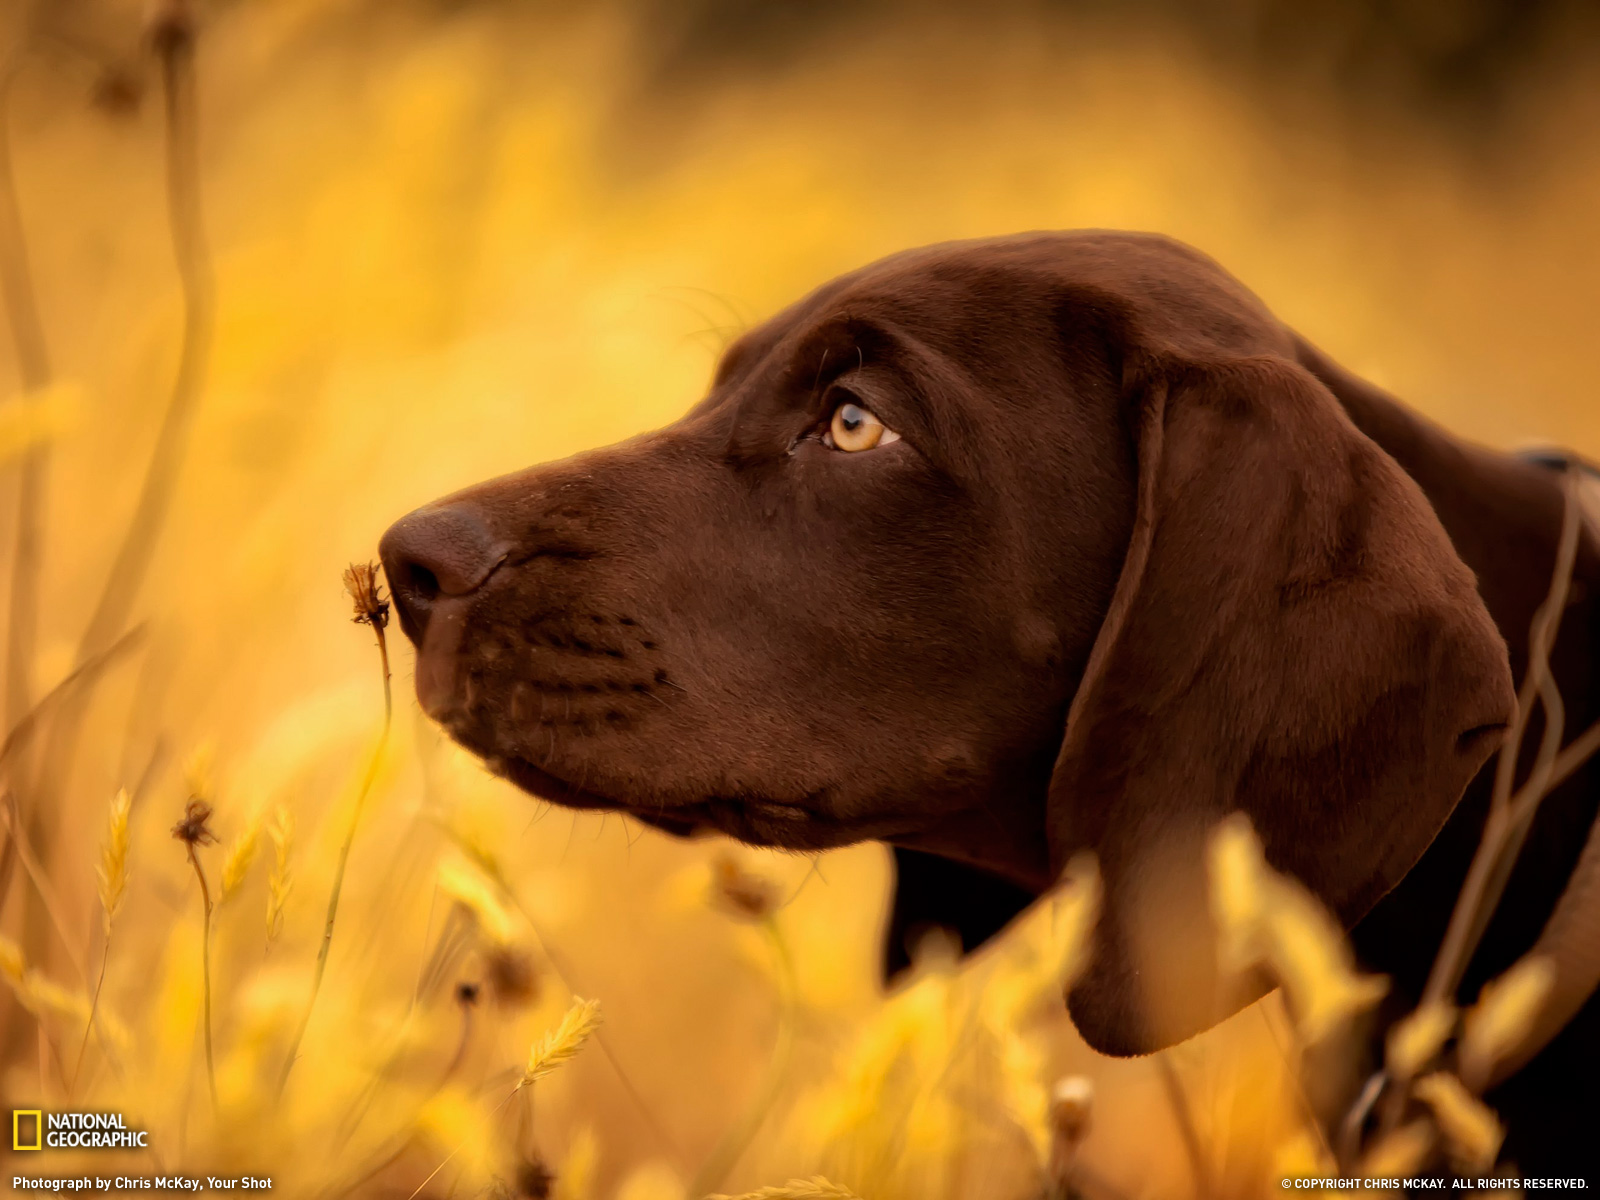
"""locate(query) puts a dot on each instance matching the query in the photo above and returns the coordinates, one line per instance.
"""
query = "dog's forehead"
(1160, 291)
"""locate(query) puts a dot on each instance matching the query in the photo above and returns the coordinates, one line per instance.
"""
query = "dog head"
(1002, 549)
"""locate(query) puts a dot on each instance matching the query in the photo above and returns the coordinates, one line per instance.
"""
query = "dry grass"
(429, 227)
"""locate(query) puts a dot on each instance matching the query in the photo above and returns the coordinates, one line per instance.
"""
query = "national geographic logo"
(35, 1129)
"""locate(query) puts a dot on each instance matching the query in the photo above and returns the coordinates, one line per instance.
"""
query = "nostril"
(435, 552)
(420, 581)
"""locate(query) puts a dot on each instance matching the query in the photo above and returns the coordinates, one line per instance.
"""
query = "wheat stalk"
(113, 878)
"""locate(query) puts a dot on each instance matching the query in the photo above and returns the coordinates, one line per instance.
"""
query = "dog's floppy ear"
(1291, 635)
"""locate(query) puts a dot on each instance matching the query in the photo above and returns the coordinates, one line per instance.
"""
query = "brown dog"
(1002, 550)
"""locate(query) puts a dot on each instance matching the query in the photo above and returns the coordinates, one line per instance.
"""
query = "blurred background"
(450, 238)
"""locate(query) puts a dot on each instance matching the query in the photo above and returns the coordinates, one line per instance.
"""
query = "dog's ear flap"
(1291, 635)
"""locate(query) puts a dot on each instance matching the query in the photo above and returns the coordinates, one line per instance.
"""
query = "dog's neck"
(1006, 840)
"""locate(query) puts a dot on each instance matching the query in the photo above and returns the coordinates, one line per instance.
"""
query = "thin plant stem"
(34, 372)
(1507, 813)
(33, 368)
(94, 1008)
(367, 780)
(205, 969)
(174, 42)
(727, 1152)
(563, 969)
(1184, 1116)
(84, 673)
(457, 1150)
(1511, 809)
(48, 899)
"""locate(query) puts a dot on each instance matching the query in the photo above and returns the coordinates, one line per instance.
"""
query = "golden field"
(449, 241)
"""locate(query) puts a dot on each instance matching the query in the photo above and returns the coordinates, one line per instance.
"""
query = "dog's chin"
(752, 821)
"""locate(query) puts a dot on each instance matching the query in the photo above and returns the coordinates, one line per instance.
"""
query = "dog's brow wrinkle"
(815, 383)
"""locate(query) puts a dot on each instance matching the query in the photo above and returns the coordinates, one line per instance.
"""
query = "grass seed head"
(477, 895)
(741, 892)
(1471, 1130)
(534, 1180)
(13, 966)
(1505, 1011)
(1237, 868)
(563, 1042)
(816, 1188)
(1416, 1040)
(281, 879)
(113, 870)
(1262, 915)
(236, 863)
(1310, 957)
(1399, 1154)
(1074, 914)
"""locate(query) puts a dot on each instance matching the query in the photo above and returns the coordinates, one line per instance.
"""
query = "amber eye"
(854, 428)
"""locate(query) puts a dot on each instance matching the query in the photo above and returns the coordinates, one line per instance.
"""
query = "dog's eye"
(854, 428)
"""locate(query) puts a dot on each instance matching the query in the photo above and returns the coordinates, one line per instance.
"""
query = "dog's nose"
(436, 551)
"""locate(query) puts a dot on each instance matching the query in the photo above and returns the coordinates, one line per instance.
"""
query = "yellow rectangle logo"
(16, 1128)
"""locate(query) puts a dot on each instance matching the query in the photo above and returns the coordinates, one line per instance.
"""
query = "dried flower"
(1505, 1011)
(117, 92)
(113, 871)
(361, 581)
(534, 1180)
(564, 1041)
(512, 977)
(1071, 1102)
(740, 892)
(1470, 1128)
(170, 26)
(195, 828)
